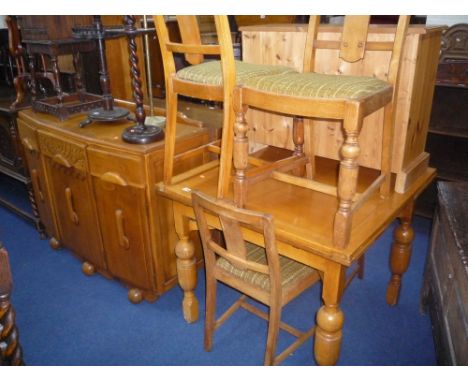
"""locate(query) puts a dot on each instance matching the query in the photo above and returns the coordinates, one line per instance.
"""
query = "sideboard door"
(66, 168)
(28, 137)
(119, 189)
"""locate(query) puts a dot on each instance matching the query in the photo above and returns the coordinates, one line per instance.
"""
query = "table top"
(304, 218)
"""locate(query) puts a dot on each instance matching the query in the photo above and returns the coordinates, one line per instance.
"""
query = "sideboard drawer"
(65, 152)
(116, 167)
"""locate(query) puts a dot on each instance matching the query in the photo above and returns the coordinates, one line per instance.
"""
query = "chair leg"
(298, 139)
(171, 122)
(273, 330)
(210, 311)
(241, 153)
(347, 178)
(387, 148)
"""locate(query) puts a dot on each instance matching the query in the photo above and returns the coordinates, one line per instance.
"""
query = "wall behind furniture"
(446, 19)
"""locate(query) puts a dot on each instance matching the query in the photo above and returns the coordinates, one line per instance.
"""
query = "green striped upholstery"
(291, 271)
(316, 85)
(286, 81)
(209, 72)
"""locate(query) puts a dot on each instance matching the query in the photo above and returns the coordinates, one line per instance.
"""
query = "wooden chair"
(205, 78)
(324, 96)
(260, 273)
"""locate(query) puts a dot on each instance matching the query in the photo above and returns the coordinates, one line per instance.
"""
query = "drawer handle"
(27, 144)
(59, 158)
(123, 239)
(37, 184)
(113, 177)
(71, 211)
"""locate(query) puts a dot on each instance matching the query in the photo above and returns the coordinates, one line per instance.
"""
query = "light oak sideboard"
(95, 196)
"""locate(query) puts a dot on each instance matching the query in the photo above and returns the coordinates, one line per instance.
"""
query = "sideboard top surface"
(103, 133)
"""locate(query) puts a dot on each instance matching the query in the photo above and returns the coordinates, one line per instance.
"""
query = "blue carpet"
(67, 318)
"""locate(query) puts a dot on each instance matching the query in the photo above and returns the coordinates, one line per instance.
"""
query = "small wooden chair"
(205, 78)
(260, 273)
(324, 96)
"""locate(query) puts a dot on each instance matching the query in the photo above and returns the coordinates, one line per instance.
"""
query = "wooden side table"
(62, 105)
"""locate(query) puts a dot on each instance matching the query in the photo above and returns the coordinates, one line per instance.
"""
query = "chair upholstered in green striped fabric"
(291, 271)
(286, 81)
(209, 72)
(316, 85)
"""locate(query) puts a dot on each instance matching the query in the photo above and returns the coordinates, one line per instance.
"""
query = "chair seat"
(209, 73)
(292, 272)
(317, 85)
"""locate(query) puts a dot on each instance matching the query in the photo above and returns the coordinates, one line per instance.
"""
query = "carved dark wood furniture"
(108, 112)
(13, 166)
(445, 291)
(447, 141)
(52, 36)
(141, 132)
(11, 353)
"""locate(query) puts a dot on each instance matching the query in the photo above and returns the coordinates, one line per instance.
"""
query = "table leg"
(186, 268)
(330, 317)
(56, 73)
(401, 253)
(32, 73)
(77, 65)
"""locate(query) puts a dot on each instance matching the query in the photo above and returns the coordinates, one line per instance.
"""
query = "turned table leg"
(186, 268)
(401, 253)
(330, 317)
